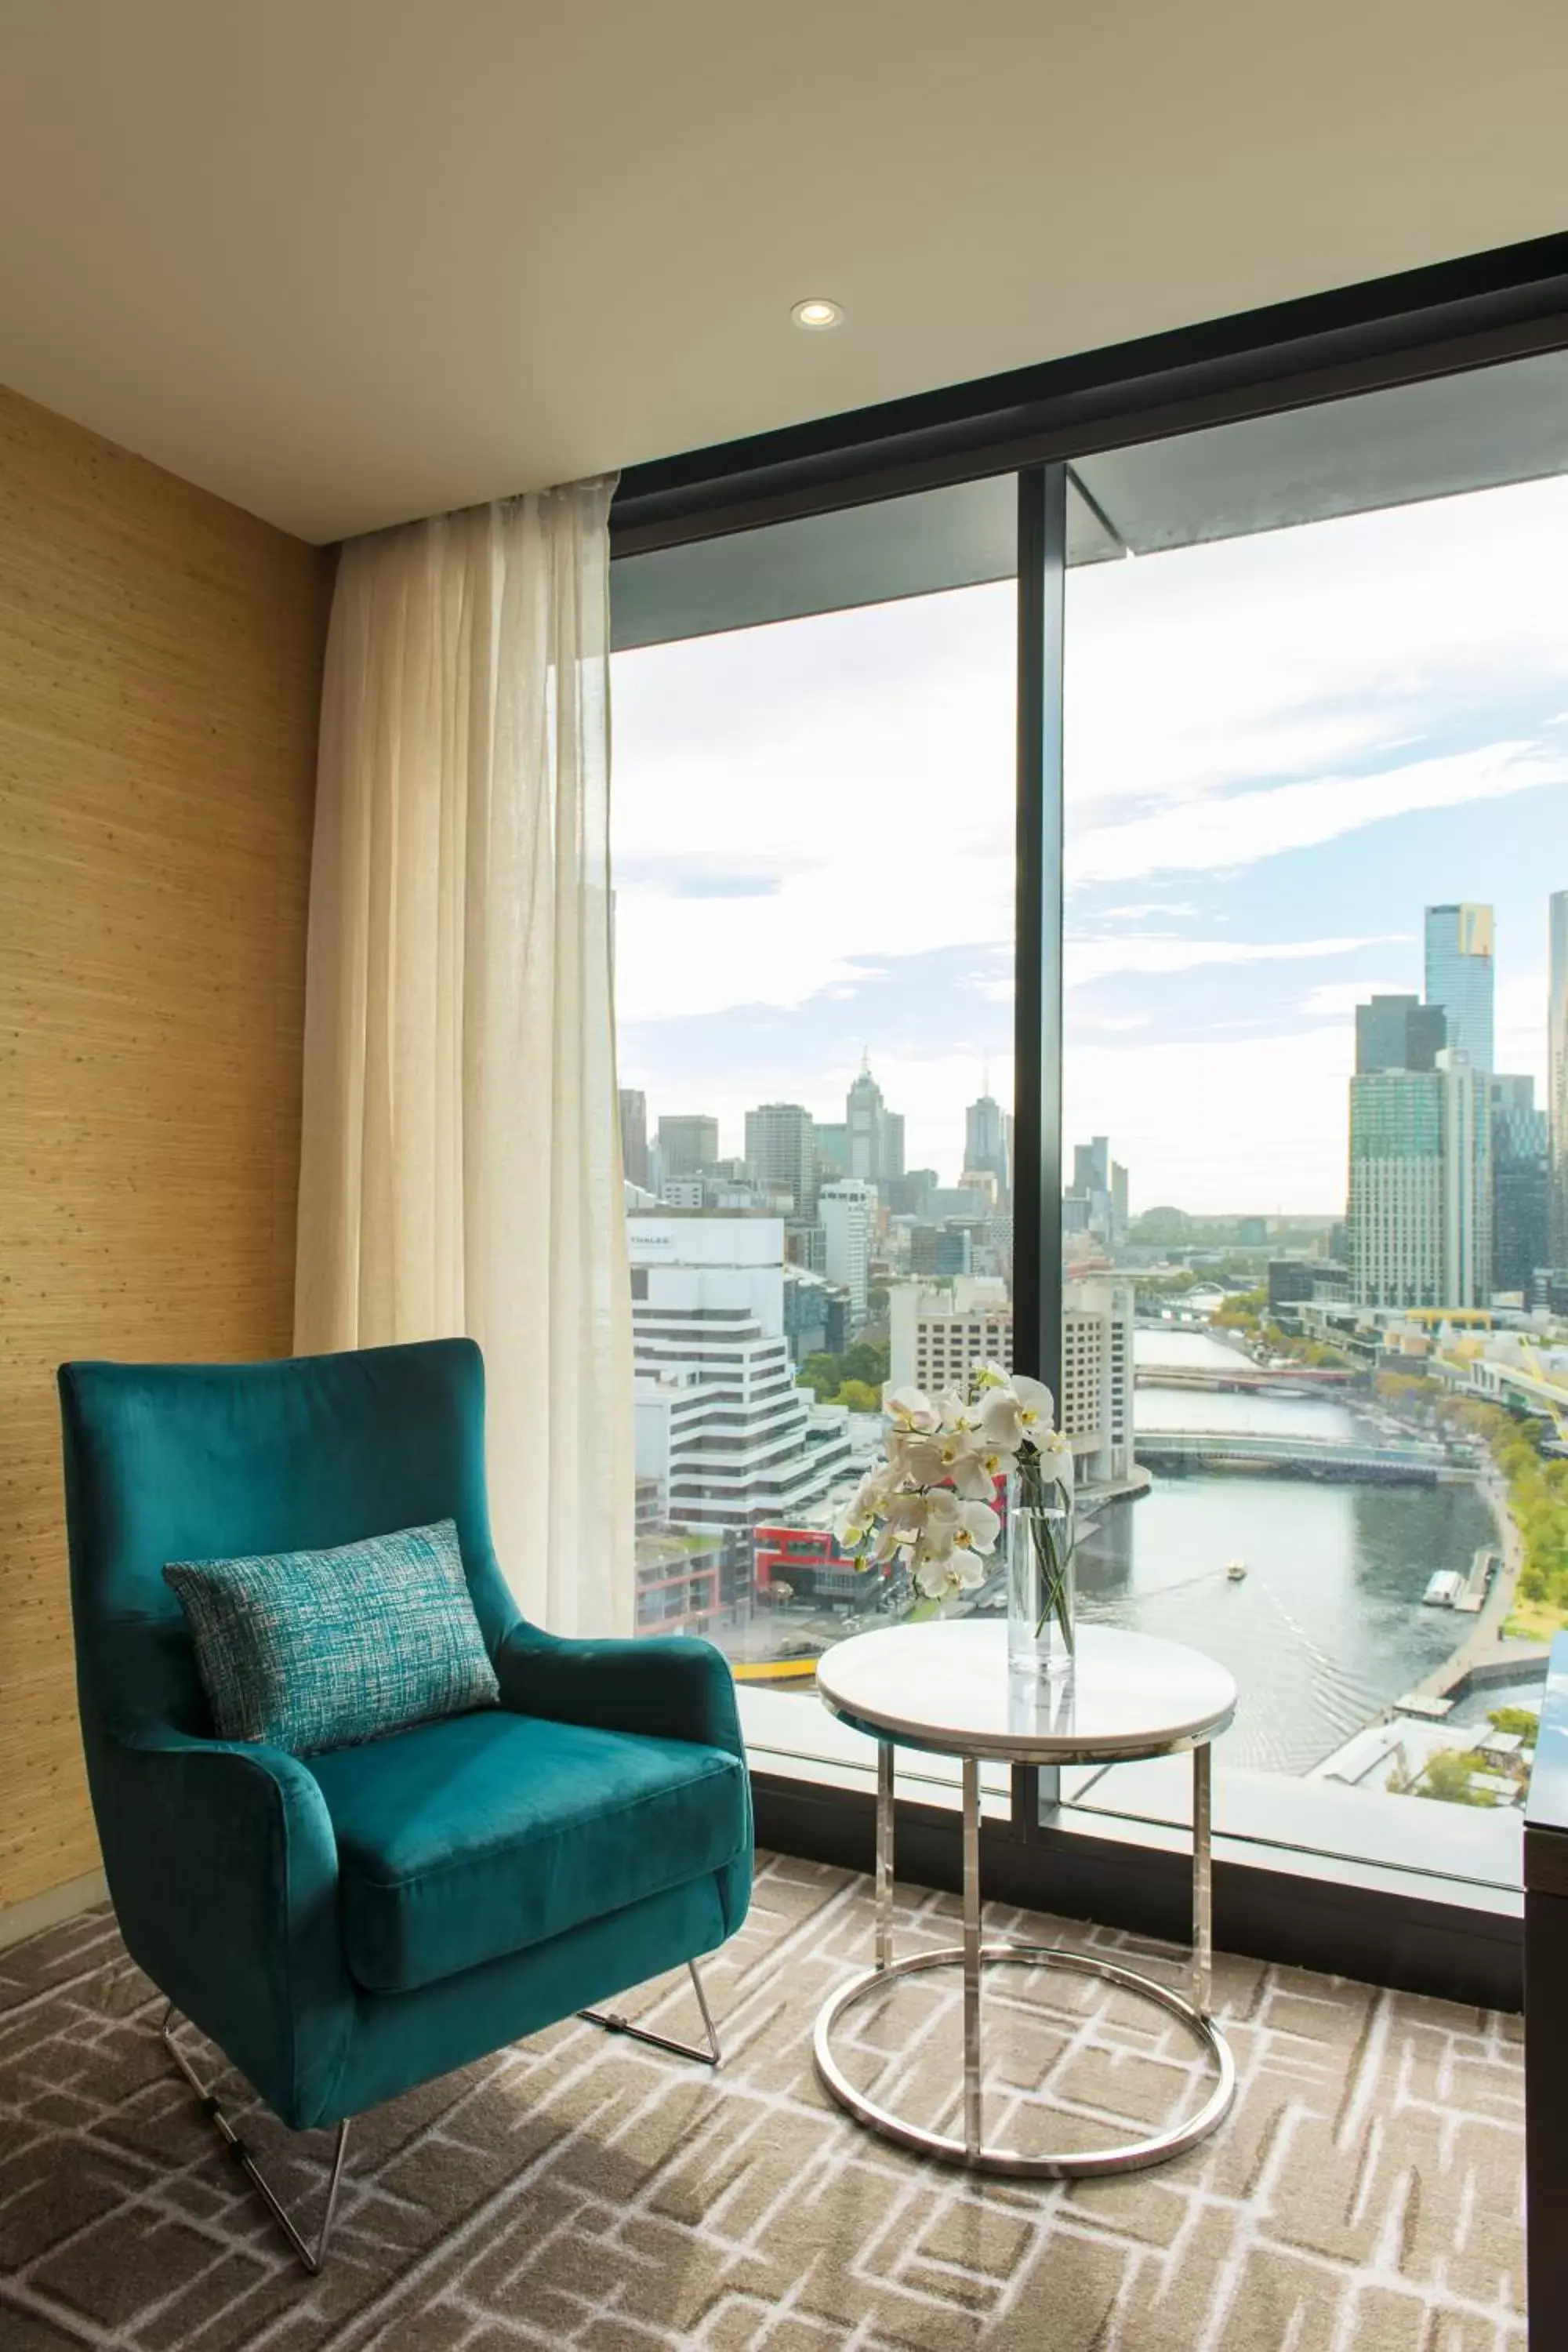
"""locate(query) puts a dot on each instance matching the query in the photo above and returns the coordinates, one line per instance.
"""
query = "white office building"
(845, 1212)
(719, 1423)
(939, 1333)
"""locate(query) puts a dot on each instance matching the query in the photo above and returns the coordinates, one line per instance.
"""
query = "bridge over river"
(1173, 1451)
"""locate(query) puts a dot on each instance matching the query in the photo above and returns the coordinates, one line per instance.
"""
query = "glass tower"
(1557, 1069)
(1459, 977)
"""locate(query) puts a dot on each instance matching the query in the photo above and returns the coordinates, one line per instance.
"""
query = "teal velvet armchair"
(346, 1926)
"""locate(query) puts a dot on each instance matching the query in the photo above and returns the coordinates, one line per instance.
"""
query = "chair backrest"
(210, 1461)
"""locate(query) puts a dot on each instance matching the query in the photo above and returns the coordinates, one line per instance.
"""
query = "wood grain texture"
(160, 678)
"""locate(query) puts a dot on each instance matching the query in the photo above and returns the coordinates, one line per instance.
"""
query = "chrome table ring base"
(946, 1689)
(975, 2153)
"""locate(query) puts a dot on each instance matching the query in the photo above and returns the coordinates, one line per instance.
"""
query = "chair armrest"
(223, 1868)
(668, 1687)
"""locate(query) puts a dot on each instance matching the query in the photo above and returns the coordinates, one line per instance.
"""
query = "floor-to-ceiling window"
(1295, 1234)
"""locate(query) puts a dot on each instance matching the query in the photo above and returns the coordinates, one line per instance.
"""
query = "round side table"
(945, 1687)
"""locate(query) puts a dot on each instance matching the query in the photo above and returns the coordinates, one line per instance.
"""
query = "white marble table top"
(945, 1686)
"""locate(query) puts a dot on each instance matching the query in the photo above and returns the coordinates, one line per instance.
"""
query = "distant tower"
(1557, 1069)
(1459, 978)
(781, 1149)
(634, 1136)
(985, 1141)
(874, 1134)
(845, 1210)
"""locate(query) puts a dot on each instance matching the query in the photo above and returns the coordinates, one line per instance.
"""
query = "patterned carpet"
(1364, 2195)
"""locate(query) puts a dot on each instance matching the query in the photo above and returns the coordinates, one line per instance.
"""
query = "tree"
(1523, 1721)
(866, 1360)
(860, 1396)
(1447, 1778)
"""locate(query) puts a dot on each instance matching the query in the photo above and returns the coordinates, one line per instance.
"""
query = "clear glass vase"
(1041, 1588)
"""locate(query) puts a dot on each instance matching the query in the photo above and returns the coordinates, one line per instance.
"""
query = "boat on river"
(1236, 1571)
(1443, 1590)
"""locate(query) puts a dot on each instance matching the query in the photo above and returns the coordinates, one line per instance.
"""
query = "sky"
(1278, 749)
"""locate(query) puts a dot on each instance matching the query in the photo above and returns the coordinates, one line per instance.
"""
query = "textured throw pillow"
(310, 1650)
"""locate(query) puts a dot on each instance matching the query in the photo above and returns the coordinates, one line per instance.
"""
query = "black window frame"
(1454, 316)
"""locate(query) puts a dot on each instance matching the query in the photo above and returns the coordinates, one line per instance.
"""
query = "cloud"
(1240, 828)
(696, 874)
(1090, 960)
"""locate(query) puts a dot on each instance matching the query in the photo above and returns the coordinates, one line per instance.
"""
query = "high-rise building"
(939, 1333)
(634, 1136)
(1097, 1378)
(833, 1148)
(1420, 1209)
(781, 1152)
(874, 1134)
(1399, 1032)
(1557, 1071)
(687, 1144)
(844, 1211)
(985, 1142)
(1096, 1200)
(1521, 1185)
(720, 1422)
(1459, 977)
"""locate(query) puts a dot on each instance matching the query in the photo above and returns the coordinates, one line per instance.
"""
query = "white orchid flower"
(1036, 1406)
(988, 1375)
(917, 1455)
(933, 1573)
(952, 1412)
(912, 1408)
(1056, 1457)
(1001, 1420)
(865, 1507)
(973, 1465)
(953, 1523)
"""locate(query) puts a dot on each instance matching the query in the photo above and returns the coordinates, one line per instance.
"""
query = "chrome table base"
(974, 1956)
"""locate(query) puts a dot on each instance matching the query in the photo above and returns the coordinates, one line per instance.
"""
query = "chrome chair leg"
(614, 2022)
(311, 2256)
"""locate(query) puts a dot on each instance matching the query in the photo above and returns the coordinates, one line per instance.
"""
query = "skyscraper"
(634, 1136)
(985, 1142)
(1096, 1200)
(781, 1152)
(1399, 1032)
(1557, 1069)
(1459, 977)
(845, 1212)
(687, 1144)
(1521, 1185)
(1420, 1213)
(874, 1134)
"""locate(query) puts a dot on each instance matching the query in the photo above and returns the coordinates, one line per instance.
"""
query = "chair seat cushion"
(462, 1841)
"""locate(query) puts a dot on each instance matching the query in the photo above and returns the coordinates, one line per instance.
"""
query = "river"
(1328, 1626)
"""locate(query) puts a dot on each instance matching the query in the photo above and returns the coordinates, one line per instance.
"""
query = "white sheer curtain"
(461, 1164)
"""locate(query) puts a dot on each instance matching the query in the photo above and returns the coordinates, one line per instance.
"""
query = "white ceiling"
(345, 261)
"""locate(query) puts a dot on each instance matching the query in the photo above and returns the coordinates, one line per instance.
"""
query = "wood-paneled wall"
(160, 673)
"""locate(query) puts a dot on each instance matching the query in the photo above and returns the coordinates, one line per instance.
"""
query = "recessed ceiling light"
(816, 313)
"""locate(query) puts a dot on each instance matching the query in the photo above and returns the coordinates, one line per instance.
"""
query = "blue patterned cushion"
(312, 1650)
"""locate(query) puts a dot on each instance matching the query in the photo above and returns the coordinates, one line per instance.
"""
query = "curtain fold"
(461, 1157)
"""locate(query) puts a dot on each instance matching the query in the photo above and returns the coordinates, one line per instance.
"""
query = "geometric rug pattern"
(1364, 2194)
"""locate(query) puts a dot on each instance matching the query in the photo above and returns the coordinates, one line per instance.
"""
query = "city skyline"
(1331, 723)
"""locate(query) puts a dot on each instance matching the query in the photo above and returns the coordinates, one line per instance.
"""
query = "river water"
(1328, 1626)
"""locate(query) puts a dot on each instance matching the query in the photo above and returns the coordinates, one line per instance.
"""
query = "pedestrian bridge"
(1170, 1451)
